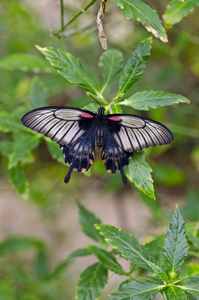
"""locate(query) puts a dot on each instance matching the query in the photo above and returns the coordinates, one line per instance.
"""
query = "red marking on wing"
(86, 115)
(115, 118)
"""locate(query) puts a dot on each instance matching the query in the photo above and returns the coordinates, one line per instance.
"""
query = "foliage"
(163, 277)
(27, 81)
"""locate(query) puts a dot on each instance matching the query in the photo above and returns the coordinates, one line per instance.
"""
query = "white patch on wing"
(68, 114)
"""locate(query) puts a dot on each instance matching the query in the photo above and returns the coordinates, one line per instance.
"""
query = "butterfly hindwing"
(80, 154)
(113, 156)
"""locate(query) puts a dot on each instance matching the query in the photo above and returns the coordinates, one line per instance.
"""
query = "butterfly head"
(101, 111)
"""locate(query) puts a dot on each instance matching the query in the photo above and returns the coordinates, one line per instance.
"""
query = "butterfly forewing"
(62, 125)
(133, 133)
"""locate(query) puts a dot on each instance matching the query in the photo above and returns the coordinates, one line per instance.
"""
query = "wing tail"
(81, 154)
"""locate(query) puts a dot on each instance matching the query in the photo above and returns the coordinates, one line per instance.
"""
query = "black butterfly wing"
(80, 154)
(74, 129)
(126, 134)
(113, 156)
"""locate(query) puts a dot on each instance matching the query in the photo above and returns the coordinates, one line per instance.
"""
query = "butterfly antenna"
(94, 99)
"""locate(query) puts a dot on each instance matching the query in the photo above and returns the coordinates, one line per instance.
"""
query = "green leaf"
(190, 269)
(176, 293)
(175, 244)
(110, 64)
(177, 10)
(91, 282)
(79, 253)
(55, 150)
(107, 259)
(18, 179)
(19, 244)
(11, 123)
(115, 108)
(135, 67)
(130, 249)
(6, 148)
(191, 287)
(139, 172)
(25, 62)
(92, 107)
(138, 10)
(21, 149)
(38, 96)
(146, 100)
(87, 220)
(71, 68)
(136, 290)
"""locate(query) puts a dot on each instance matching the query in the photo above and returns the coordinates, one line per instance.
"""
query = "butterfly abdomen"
(100, 136)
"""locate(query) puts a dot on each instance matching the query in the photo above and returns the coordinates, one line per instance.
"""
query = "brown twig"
(100, 20)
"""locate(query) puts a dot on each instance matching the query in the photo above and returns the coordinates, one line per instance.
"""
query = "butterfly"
(76, 130)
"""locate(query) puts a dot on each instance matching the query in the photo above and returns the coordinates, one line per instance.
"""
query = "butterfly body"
(77, 131)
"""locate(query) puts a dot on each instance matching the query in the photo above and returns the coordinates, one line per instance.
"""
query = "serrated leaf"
(18, 179)
(11, 123)
(25, 62)
(135, 67)
(130, 249)
(138, 10)
(176, 293)
(176, 10)
(136, 290)
(55, 150)
(79, 253)
(87, 220)
(22, 146)
(191, 286)
(71, 68)
(175, 243)
(110, 64)
(38, 96)
(91, 282)
(146, 100)
(139, 172)
(107, 259)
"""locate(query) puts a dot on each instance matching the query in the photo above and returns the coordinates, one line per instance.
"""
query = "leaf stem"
(164, 295)
(62, 14)
(63, 27)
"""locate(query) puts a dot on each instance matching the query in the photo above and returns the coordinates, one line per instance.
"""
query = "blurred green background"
(38, 233)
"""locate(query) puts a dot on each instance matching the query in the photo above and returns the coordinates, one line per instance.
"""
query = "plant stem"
(62, 14)
(80, 30)
(164, 295)
(63, 27)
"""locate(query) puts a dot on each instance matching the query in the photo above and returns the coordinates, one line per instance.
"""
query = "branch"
(63, 27)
